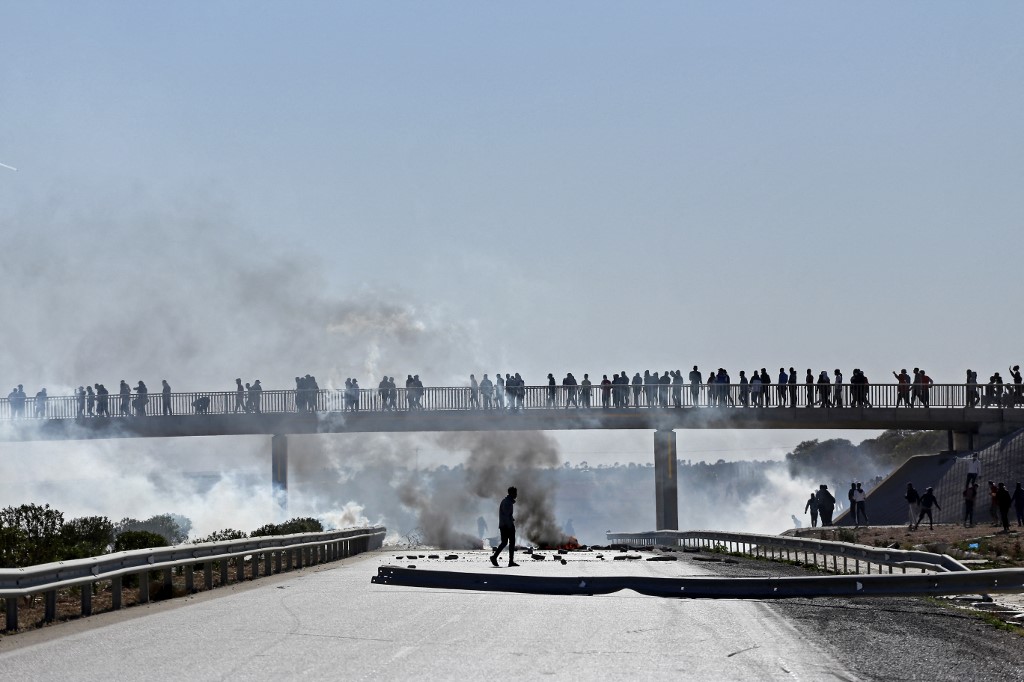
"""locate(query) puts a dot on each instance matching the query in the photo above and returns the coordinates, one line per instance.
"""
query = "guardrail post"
(11, 624)
(115, 592)
(86, 599)
(12, 614)
(144, 587)
(278, 560)
(50, 606)
(240, 569)
(267, 568)
(224, 571)
(208, 575)
(189, 572)
(169, 580)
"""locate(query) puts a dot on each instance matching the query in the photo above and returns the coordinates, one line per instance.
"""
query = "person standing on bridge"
(141, 399)
(638, 387)
(487, 391)
(809, 384)
(507, 528)
(102, 401)
(239, 396)
(474, 393)
(973, 398)
(256, 396)
(552, 390)
(606, 392)
(903, 390)
(166, 393)
(499, 391)
(782, 388)
(695, 384)
(837, 389)
(677, 388)
(90, 401)
(585, 388)
(41, 404)
(80, 401)
(791, 382)
(1018, 386)
(126, 397)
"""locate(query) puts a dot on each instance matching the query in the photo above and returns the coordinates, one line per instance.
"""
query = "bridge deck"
(967, 420)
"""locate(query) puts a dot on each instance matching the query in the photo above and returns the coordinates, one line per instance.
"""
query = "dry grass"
(1000, 549)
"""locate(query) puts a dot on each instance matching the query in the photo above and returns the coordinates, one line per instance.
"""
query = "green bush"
(138, 539)
(85, 537)
(223, 536)
(297, 525)
(29, 535)
(173, 528)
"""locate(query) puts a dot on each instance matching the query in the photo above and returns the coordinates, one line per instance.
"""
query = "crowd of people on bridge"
(650, 389)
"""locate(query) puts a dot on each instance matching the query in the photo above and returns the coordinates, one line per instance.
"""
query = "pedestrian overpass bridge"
(970, 420)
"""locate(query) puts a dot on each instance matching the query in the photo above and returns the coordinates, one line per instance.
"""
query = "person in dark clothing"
(141, 399)
(126, 397)
(1018, 502)
(585, 389)
(507, 528)
(913, 503)
(766, 383)
(1003, 501)
(166, 392)
(41, 398)
(826, 504)
(970, 494)
(927, 502)
(903, 390)
(677, 388)
(90, 401)
(638, 388)
(80, 401)
(809, 382)
(1017, 393)
(239, 397)
(552, 390)
(791, 381)
(695, 383)
(102, 401)
(812, 506)
(606, 391)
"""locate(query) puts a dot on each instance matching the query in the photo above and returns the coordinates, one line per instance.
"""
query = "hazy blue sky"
(209, 190)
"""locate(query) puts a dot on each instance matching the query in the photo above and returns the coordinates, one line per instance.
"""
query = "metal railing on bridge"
(457, 398)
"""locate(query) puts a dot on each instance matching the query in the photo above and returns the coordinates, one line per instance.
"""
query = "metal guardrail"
(790, 548)
(278, 553)
(667, 396)
(934, 584)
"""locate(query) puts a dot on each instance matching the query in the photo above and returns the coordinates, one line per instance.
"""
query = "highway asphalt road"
(330, 622)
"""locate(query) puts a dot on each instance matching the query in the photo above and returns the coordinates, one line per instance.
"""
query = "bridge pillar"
(666, 489)
(961, 441)
(279, 470)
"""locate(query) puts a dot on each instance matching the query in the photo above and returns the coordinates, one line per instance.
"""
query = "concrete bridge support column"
(961, 441)
(279, 471)
(666, 488)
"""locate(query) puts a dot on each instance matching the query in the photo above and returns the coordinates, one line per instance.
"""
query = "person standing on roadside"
(970, 495)
(1018, 502)
(927, 502)
(826, 504)
(507, 528)
(1004, 500)
(812, 506)
(913, 503)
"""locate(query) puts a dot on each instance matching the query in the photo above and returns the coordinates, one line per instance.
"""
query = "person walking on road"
(507, 528)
